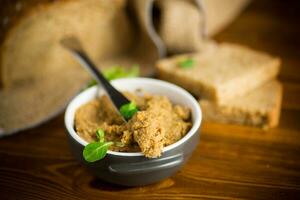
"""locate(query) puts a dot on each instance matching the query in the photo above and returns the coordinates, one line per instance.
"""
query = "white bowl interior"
(176, 94)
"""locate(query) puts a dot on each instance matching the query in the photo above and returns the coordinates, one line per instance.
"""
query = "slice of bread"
(220, 72)
(260, 107)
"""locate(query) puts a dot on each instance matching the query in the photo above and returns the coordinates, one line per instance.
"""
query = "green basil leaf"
(116, 72)
(128, 110)
(187, 63)
(134, 71)
(120, 72)
(100, 135)
(95, 151)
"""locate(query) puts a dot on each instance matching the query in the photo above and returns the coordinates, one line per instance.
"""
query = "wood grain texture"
(230, 162)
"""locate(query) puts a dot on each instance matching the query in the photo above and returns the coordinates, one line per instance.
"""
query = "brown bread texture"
(260, 107)
(221, 72)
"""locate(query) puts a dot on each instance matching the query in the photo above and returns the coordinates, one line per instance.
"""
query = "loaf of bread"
(220, 72)
(260, 107)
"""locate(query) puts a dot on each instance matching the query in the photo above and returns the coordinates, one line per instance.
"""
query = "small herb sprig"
(128, 110)
(186, 63)
(116, 72)
(96, 150)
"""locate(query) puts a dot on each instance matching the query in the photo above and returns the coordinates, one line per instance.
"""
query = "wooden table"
(230, 162)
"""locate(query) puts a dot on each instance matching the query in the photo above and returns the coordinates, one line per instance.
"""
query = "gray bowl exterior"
(138, 170)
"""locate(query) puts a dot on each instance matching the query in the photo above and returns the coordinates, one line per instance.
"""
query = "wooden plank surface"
(230, 161)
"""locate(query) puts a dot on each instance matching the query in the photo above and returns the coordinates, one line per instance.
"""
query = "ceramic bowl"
(134, 169)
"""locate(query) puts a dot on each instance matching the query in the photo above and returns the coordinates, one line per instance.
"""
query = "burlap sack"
(184, 24)
(39, 77)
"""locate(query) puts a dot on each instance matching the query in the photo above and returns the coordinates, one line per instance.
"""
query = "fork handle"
(117, 98)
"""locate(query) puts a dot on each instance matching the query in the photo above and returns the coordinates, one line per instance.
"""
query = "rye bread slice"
(221, 72)
(260, 107)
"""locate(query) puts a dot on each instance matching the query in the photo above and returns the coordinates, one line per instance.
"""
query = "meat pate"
(157, 124)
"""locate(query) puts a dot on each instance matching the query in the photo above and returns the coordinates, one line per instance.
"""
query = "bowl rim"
(195, 106)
